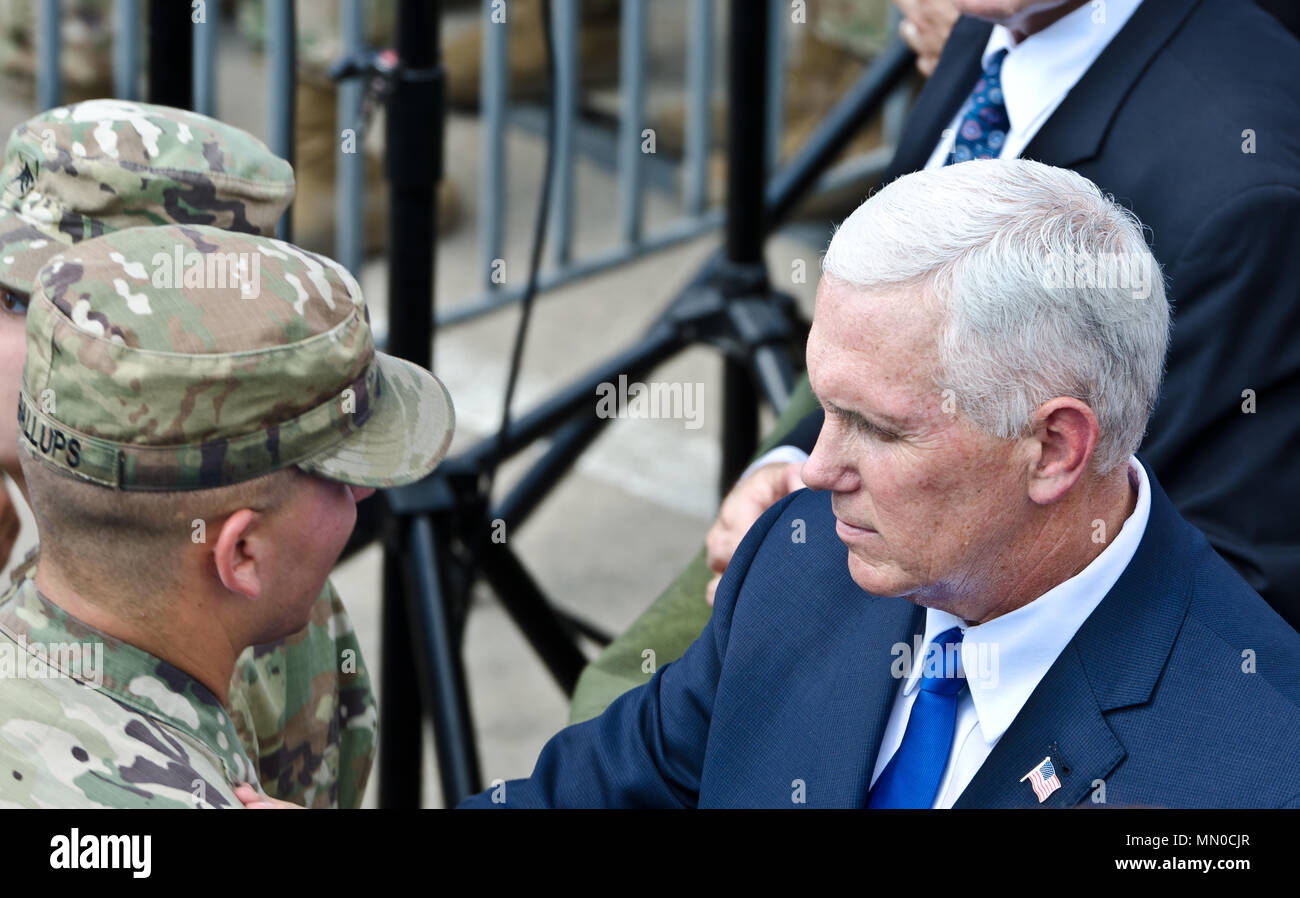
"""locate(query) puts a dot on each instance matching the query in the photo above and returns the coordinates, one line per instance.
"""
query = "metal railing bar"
(564, 18)
(126, 49)
(492, 184)
(348, 204)
(699, 107)
(49, 77)
(632, 62)
(671, 235)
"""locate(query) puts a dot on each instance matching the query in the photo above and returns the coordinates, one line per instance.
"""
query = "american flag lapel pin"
(1043, 779)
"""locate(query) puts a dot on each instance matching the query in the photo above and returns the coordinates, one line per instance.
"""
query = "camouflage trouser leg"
(675, 619)
(305, 710)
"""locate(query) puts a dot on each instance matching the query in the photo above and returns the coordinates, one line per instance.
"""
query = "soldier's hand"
(254, 799)
(10, 524)
(925, 28)
(743, 506)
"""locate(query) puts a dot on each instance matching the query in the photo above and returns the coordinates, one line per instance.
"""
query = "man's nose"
(361, 492)
(827, 468)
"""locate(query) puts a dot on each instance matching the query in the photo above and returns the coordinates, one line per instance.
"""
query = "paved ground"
(635, 509)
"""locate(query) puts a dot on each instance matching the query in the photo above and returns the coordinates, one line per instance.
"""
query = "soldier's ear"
(237, 554)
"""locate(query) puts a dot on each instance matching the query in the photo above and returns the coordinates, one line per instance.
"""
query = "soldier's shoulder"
(65, 744)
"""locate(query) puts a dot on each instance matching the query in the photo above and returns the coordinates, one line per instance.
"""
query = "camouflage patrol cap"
(79, 171)
(190, 357)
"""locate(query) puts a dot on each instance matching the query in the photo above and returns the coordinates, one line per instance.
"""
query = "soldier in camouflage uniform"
(173, 371)
(101, 166)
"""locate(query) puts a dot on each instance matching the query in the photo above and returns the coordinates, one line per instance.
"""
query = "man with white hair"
(1022, 618)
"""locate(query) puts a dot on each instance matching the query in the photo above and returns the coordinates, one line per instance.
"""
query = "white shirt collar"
(1007, 657)
(1040, 70)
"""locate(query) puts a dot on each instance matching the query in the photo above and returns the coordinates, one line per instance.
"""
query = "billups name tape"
(204, 465)
(43, 436)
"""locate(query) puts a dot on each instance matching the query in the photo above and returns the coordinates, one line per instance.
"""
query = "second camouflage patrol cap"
(190, 357)
(83, 170)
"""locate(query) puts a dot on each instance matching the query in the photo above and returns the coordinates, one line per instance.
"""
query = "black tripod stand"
(438, 532)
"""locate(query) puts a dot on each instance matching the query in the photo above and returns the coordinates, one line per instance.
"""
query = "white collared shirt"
(1007, 657)
(1040, 70)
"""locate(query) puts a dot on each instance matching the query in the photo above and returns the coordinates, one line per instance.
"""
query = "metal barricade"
(696, 217)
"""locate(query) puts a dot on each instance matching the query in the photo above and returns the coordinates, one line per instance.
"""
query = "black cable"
(539, 241)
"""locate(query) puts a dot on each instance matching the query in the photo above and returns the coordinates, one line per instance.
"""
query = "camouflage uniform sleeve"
(63, 745)
(305, 709)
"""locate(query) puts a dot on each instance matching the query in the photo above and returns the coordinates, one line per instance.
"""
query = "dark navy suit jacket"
(1158, 121)
(1182, 689)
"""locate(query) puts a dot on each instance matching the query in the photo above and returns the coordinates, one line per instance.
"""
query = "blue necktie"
(984, 125)
(911, 778)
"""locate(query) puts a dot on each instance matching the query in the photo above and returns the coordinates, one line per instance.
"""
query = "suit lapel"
(863, 694)
(1114, 661)
(949, 86)
(1075, 131)
(1062, 720)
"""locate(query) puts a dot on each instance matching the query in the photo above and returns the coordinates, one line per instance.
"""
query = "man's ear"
(237, 553)
(1066, 432)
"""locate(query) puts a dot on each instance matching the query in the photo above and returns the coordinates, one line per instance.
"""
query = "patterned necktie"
(911, 778)
(984, 125)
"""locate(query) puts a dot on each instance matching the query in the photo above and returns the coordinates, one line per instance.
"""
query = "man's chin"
(880, 581)
(276, 632)
(288, 624)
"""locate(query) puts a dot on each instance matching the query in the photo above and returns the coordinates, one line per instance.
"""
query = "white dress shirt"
(1007, 657)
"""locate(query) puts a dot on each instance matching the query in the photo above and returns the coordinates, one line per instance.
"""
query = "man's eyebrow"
(852, 415)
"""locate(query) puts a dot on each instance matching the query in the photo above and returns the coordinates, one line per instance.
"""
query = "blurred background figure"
(86, 40)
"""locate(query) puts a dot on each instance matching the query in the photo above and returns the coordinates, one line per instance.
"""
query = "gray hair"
(1047, 287)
